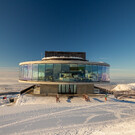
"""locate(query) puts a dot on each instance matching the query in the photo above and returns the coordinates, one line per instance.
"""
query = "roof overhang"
(64, 62)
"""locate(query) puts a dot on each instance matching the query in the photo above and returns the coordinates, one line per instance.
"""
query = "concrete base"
(46, 89)
(85, 89)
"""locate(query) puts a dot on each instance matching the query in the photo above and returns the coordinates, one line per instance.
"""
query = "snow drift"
(124, 87)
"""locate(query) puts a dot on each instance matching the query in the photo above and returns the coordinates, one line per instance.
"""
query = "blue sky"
(104, 29)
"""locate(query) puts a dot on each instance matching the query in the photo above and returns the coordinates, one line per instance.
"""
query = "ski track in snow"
(65, 119)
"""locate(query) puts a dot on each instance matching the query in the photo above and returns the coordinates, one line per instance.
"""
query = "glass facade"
(64, 73)
(41, 72)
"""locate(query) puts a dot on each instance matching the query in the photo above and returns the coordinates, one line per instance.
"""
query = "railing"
(124, 93)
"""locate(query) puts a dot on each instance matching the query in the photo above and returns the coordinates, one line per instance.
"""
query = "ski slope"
(43, 116)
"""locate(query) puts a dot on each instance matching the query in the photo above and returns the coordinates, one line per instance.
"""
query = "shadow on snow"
(123, 101)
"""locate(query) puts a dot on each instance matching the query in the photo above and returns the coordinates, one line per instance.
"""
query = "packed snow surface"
(124, 87)
(35, 115)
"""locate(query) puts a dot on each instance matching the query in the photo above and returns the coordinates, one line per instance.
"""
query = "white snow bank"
(30, 99)
(124, 87)
(117, 129)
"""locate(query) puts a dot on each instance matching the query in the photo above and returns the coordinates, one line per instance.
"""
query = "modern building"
(64, 73)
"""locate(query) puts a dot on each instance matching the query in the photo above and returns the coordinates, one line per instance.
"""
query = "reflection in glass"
(103, 73)
(99, 73)
(35, 72)
(25, 71)
(29, 71)
(94, 72)
(56, 72)
(64, 72)
(41, 72)
(108, 74)
(21, 72)
(74, 72)
(88, 73)
(49, 72)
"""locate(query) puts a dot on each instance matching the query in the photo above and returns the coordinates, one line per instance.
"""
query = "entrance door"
(67, 89)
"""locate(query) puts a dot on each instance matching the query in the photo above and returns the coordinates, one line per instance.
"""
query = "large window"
(64, 73)
(30, 72)
(35, 72)
(49, 72)
(107, 74)
(21, 72)
(74, 72)
(25, 72)
(104, 75)
(88, 73)
(80, 76)
(41, 72)
(94, 73)
(56, 72)
(99, 73)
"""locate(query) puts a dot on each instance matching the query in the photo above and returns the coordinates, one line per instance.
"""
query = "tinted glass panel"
(35, 72)
(21, 72)
(94, 72)
(67, 88)
(74, 72)
(29, 71)
(108, 74)
(41, 72)
(81, 73)
(71, 89)
(88, 73)
(65, 73)
(99, 73)
(56, 72)
(64, 68)
(25, 71)
(63, 88)
(104, 73)
(49, 72)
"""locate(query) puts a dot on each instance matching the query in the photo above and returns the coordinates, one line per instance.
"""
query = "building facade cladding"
(64, 72)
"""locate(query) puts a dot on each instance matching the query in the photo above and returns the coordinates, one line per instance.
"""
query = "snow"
(46, 58)
(32, 115)
(17, 87)
(124, 87)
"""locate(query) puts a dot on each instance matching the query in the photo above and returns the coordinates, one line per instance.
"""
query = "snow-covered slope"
(42, 115)
(124, 87)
